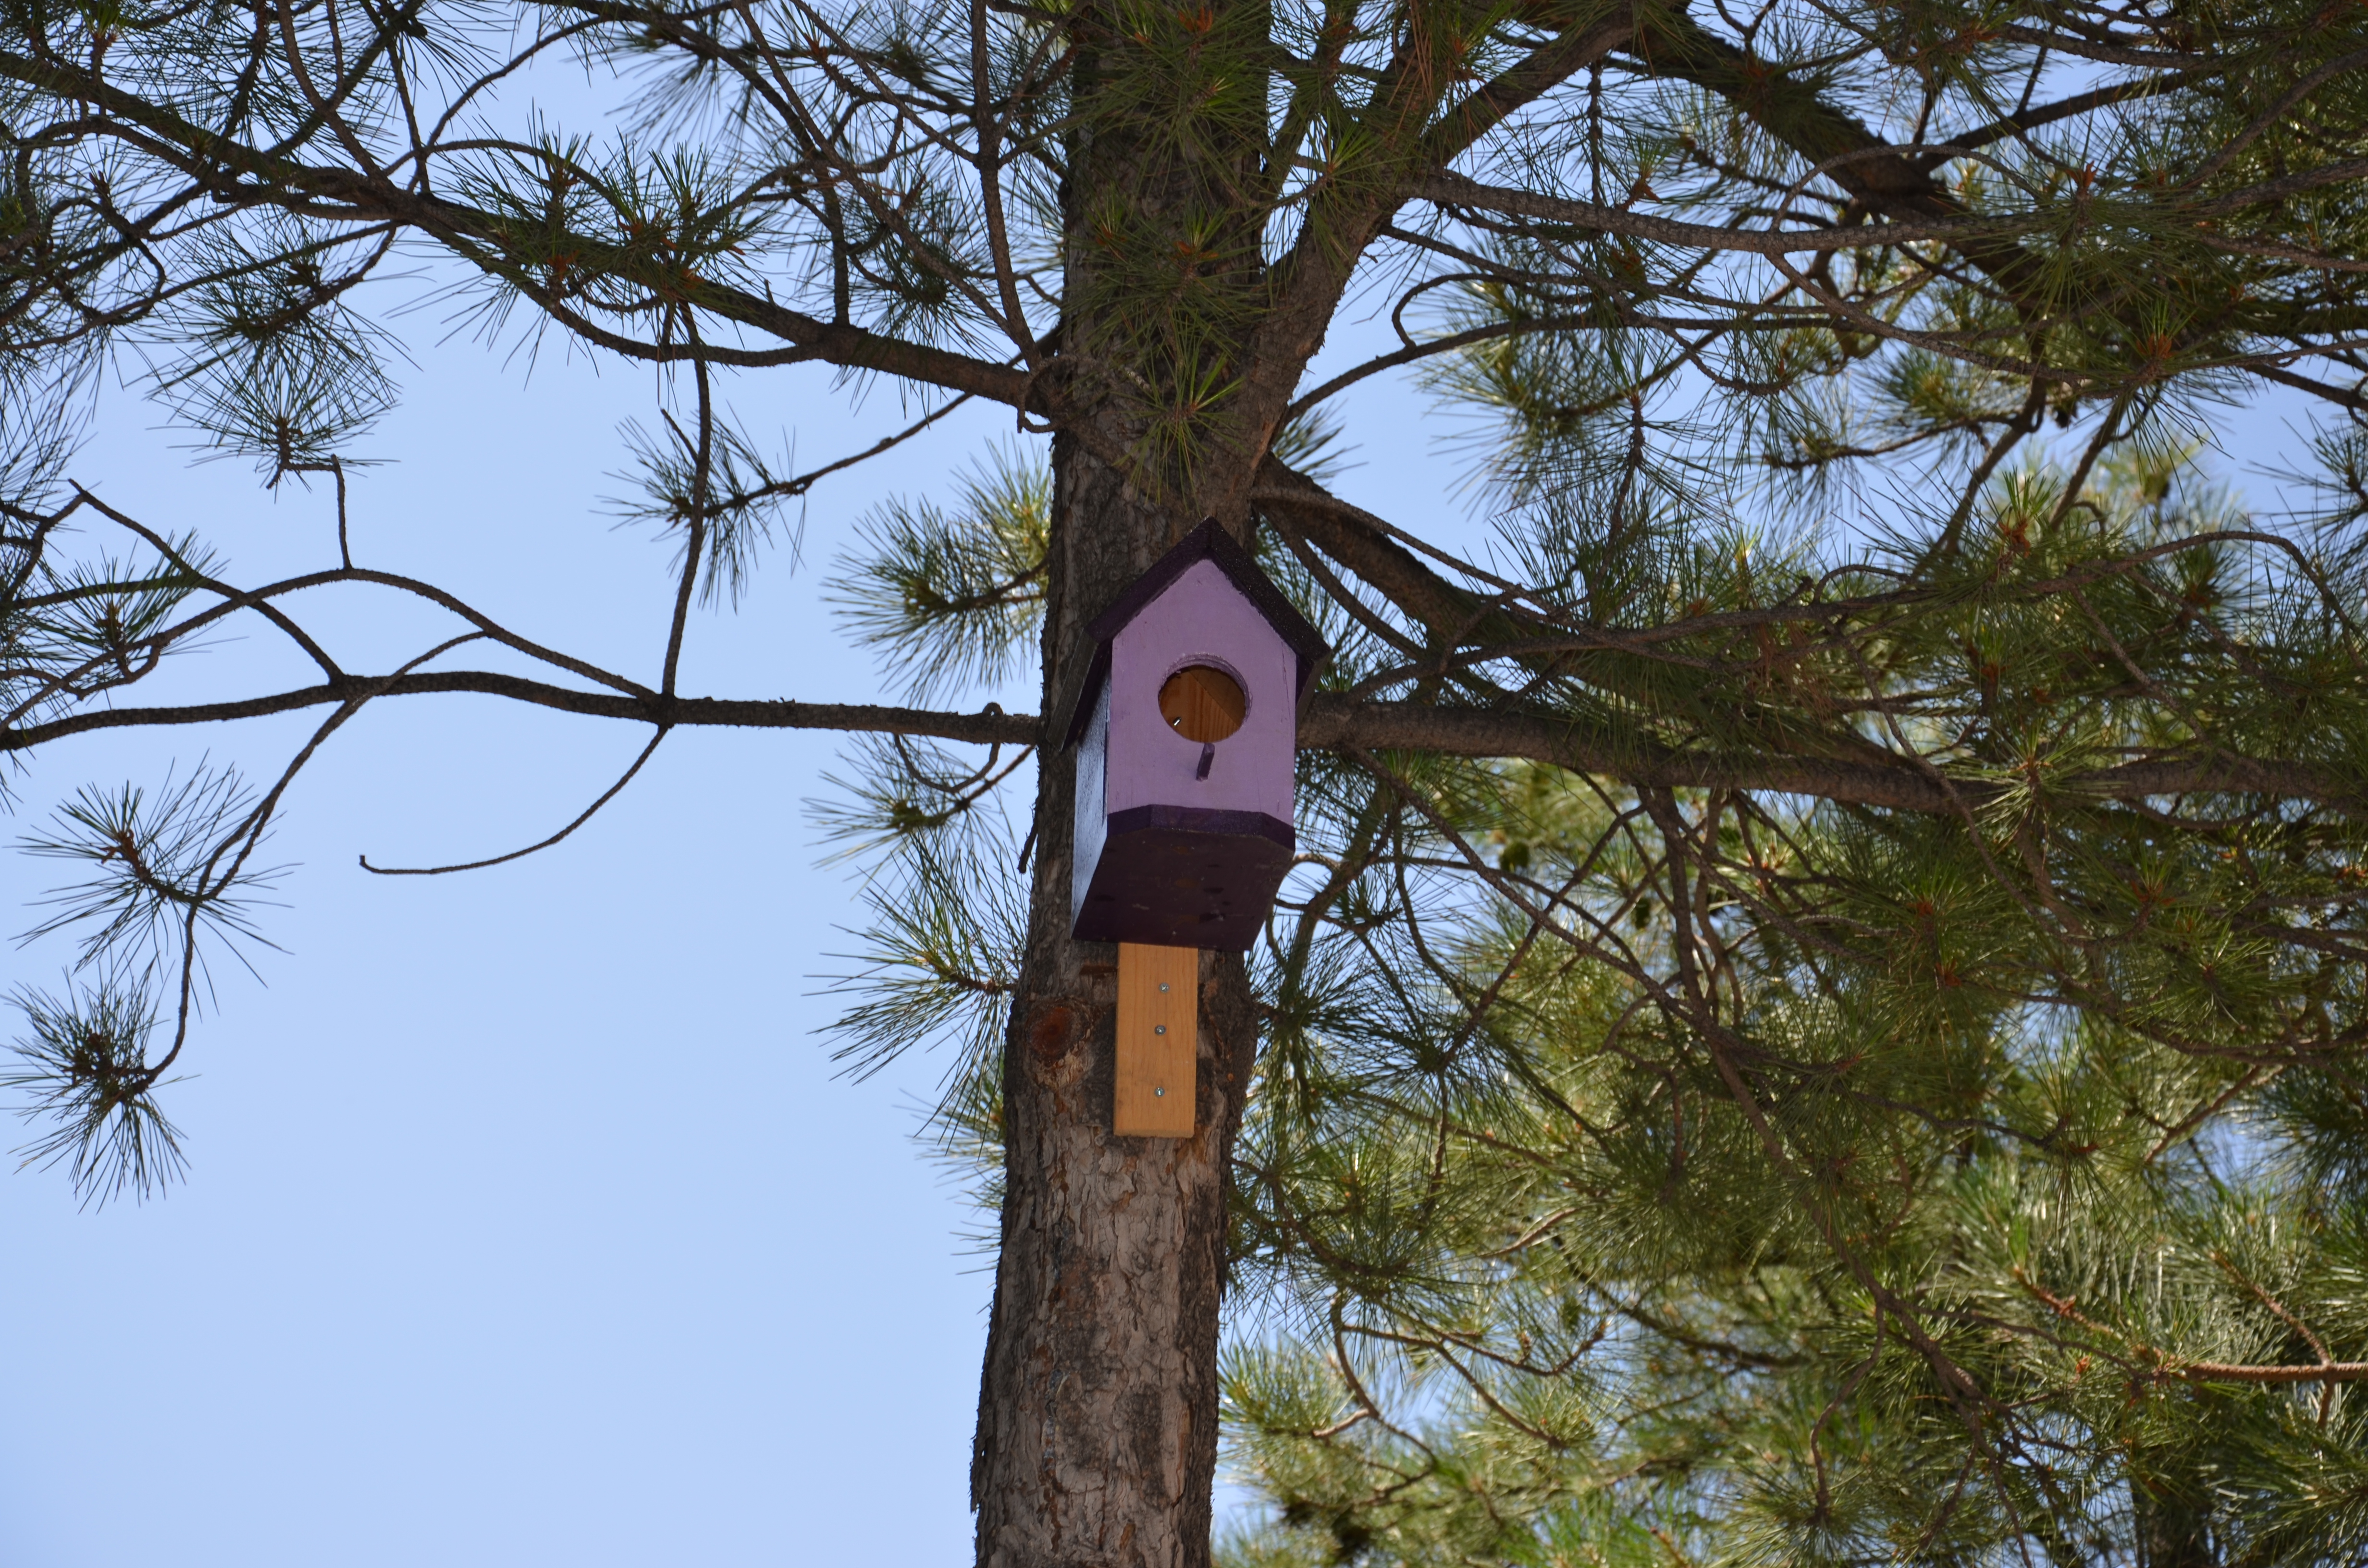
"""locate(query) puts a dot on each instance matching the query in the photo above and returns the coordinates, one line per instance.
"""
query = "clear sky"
(528, 1222)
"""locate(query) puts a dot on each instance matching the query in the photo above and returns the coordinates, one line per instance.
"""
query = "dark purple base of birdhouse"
(1183, 878)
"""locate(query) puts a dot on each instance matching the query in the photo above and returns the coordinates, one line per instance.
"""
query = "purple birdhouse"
(1186, 731)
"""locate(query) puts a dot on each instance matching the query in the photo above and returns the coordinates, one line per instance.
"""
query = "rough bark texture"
(1098, 1410)
(2174, 1522)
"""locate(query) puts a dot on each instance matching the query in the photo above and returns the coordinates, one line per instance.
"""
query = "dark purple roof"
(1207, 542)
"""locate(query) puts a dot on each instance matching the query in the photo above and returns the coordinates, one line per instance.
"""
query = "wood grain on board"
(1158, 1036)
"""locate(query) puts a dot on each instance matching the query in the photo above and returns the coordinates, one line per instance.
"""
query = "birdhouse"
(1186, 733)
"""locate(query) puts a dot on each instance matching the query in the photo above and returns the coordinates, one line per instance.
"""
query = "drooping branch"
(232, 172)
(586, 815)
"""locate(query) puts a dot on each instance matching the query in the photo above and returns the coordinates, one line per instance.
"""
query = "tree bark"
(2173, 1517)
(1098, 1410)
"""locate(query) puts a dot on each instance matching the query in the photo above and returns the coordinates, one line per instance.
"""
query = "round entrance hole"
(1202, 702)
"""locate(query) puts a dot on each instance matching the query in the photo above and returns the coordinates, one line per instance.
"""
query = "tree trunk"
(1097, 1443)
(1097, 1411)
(2174, 1521)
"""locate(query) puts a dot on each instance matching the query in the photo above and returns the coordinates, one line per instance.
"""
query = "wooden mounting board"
(1158, 1040)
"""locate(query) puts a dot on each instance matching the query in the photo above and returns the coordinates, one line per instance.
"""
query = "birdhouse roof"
(1208, 542)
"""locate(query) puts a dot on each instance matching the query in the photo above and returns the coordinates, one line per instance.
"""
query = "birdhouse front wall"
(1202, 619)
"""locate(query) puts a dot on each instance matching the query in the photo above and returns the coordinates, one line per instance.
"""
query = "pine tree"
(1819, 1014)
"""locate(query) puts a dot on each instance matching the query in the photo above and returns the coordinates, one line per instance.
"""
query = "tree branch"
(1452, 189)
(234, 172)
(1329, 723)
(989, 726)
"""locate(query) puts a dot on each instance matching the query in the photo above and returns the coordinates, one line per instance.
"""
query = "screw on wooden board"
(1158, 1030)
